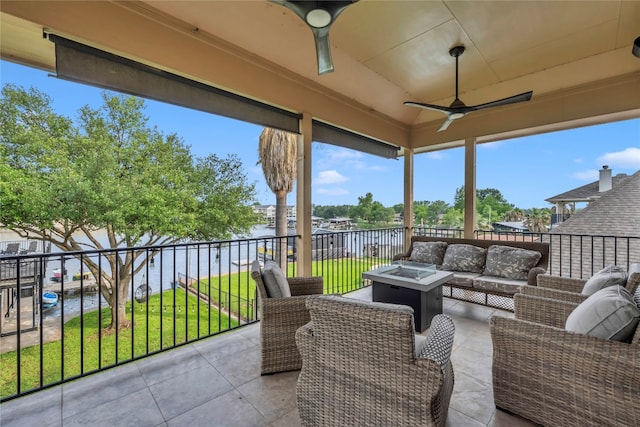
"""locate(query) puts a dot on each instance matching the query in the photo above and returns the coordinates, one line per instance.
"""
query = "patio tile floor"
(217, 382)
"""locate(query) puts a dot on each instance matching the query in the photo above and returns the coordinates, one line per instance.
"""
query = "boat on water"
(49, 300)
(58, 274)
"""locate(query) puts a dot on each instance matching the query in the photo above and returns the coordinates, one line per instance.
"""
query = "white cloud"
(330, 177)
(435, 155)
(628, 158)
(578, 160)
(332, 191)
(588, 175)
(491, 145)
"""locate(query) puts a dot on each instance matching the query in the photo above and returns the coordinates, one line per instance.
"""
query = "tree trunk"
(119, 315)
(281, 229)
(118, 303)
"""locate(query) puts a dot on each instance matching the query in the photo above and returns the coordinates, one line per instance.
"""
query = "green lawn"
(173, 318)
(236, 291)
(170, 322)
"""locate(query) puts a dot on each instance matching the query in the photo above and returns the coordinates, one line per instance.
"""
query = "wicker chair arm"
(284, 306)
(555, 377)
(553, 294)
(304, 340)
(306, 285)
(546, 311)
(532, 276)
(633, 282)
(569, 284)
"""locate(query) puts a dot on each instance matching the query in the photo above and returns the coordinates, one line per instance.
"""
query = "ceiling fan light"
(318, 18)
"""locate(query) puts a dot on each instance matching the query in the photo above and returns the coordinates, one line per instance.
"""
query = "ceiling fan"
(458, 109)
(319, 15)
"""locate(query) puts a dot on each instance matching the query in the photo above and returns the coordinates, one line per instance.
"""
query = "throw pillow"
(510, 262)
(275, 281)
(611, 275)
(610, 313)
(463, 257)
(428, 252)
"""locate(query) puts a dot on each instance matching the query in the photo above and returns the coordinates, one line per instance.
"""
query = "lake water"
(203, 261)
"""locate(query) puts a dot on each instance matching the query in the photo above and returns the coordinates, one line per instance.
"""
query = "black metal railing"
(178, 294)
(56, 313)
(570, 255)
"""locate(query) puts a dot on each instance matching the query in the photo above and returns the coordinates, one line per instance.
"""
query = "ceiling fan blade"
(430, 106)
(319, 16)
(323, 51)
(446, 123)
(522, 97)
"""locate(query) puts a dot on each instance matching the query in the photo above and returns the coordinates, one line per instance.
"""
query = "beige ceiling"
(575, 56)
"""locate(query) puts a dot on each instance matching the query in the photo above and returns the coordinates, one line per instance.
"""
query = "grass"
(170, 322)
(174, 317)
(236, 291)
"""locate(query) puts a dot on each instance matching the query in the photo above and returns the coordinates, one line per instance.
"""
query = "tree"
(113, 174)
(538, 220)
(371, 211)
(277, 150)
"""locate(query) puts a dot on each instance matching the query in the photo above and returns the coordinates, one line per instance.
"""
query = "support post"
(469, 187)
(408, 196)
(304, 208)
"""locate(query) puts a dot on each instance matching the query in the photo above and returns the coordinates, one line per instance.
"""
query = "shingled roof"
(615, 213)
(586, 193)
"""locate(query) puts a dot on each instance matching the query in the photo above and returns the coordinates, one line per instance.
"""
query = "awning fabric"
(323, 132)
(84, 64)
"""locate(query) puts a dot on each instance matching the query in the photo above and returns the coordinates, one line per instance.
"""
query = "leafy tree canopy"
(64, 181)
(111, 170)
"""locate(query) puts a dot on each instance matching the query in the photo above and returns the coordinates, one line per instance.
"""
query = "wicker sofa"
(480, 286)
(363, 366)
(556, 377)
(280, 317)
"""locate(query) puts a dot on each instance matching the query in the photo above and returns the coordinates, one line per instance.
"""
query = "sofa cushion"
(609, 313)
(428, 252)
(463, 279)
(611, 275)
(510, 262)
(463, 257)
(493, 284)
(275, 280)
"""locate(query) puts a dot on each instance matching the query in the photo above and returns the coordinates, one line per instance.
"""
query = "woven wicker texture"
(279, 320)
(559, 378)
(360, 368)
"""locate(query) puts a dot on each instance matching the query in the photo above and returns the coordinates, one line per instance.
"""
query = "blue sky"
(526, 170)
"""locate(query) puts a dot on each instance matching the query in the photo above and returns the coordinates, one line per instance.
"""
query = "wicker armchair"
(559, 378)
(570, 289)
(279, 320)
(361, 366)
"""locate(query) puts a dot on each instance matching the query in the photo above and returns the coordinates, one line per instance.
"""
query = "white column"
(303, 198)
(469, 187)
(408, 196)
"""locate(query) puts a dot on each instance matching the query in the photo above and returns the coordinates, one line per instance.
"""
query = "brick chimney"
(605, 179)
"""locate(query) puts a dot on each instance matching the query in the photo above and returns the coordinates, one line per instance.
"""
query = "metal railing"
(178, 294)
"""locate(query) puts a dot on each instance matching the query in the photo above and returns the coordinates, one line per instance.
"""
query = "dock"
(72, 287)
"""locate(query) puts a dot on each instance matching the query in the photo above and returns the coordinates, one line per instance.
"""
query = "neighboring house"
(268, 212)
(565, 203)
(610, 221)
(512, 226)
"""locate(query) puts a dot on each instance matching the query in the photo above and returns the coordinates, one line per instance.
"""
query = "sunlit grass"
(173, 318)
